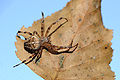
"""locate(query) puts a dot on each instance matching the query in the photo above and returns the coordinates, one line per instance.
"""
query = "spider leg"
(39, 55)
(55, 49)
(35, 32)
(24, 61)
(68, 50)
(46, 35)
(42, 25)
(64, 47)
(23, 32)
(31, 59)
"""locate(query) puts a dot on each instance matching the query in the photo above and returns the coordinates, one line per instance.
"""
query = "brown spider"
(36, 43)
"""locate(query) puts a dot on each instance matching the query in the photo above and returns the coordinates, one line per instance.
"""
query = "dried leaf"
(91, 59)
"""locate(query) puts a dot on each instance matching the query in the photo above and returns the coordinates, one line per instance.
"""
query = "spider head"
(32, 44)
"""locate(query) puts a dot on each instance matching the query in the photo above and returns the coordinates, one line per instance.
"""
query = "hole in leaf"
(22, 38)
(105, 47)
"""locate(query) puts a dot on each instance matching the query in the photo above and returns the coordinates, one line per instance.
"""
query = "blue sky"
(16, 13)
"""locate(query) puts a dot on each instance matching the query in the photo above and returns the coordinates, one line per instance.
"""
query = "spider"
(36, 43)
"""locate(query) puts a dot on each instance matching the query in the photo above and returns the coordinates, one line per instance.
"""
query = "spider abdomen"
(32, 45)
(28, 48)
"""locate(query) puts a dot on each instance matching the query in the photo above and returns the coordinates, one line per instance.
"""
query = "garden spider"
(36, 43)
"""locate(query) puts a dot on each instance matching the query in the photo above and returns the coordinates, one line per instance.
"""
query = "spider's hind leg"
(32, 56)
(23, 33)
(38, 57)
(39, 54)
(35, 32)
(31, 59)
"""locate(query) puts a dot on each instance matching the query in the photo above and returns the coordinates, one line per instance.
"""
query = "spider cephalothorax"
(36, 43)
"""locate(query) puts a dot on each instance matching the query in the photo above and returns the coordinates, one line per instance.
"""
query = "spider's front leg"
(68, 50)
(42, 25)
(47, 32)
(55, 49)
(67, 47)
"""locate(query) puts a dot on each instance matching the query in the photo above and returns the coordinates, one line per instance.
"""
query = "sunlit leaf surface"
(91, 59)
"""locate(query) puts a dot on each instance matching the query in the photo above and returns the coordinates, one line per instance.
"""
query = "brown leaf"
(91, 59)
